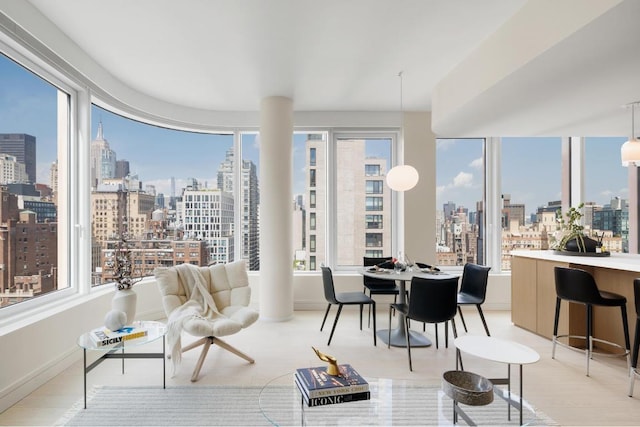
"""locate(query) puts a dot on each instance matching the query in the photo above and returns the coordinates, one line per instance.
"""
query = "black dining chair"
(344, 298)
(430, 301)
(473, 290)
(379, 286)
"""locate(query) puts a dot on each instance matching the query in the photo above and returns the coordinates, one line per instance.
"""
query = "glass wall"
(531, 194)
(363, 201)
(34, 123)
(163, 196)
(606, 200)
(459, 201)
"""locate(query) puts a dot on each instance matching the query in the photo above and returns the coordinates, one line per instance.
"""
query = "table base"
(399, 339)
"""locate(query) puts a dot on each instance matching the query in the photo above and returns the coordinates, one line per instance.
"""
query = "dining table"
(398, 335)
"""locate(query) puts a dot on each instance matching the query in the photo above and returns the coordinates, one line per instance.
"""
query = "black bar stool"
(636, 341)
(579, 286)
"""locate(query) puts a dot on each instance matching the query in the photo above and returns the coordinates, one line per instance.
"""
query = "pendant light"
(630, 150)
(402, 177)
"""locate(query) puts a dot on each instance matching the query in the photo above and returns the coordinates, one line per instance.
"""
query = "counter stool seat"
(579, 286)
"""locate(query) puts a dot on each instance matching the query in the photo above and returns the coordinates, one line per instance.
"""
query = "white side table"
(501, 351)
(155, 331)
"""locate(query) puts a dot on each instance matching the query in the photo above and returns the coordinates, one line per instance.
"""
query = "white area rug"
(251, 406)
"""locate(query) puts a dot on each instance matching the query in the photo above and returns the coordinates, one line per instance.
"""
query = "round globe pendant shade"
(630, 152)
(402, 178)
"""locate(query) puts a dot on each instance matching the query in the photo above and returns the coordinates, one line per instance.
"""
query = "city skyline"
(28, 106)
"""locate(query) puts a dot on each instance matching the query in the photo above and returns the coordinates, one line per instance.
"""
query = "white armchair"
(208, 302)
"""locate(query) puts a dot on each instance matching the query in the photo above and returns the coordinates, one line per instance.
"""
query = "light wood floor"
(557, 387)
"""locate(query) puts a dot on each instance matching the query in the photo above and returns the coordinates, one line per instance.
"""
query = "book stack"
(319, 388)
(103, 336)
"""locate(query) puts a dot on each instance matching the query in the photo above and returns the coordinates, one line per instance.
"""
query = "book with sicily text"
(103, 336)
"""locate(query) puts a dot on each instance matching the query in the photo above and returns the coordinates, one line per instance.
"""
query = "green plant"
(572, 228)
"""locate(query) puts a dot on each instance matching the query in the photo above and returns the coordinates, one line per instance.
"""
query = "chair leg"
(375, 342)
(446, 334)
(406, 330)
(361, 308)
(589, 332)
(625, 326)
(484, 322)
(555, 328)
(389, 336)
(436, 325)
(326, 313)
(335, 322)
(203, 354)
(462, 318)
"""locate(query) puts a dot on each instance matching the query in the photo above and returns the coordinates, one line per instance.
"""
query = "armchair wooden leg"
(205, 349)
(206, 342)
(232, 349)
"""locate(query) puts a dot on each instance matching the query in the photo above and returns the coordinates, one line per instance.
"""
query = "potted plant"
(573, 238)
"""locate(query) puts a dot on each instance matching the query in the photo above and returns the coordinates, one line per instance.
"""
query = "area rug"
(255, 406)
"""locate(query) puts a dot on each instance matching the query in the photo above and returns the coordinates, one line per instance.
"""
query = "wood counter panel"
(533, 301)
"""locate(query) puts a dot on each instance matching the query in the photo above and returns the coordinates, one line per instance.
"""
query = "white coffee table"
(501, 351)
(155, 331)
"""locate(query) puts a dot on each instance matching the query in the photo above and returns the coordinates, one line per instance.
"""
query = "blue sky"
(530, 166)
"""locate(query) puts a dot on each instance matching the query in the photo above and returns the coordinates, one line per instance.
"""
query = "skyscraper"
(103, 159)
(23, 147)
(250, 200)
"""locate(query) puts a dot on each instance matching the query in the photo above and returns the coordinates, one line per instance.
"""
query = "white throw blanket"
(200, 303)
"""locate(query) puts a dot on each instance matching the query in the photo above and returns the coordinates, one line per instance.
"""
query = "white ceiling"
(345, 55)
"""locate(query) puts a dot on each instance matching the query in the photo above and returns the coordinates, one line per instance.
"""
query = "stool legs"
(633, 373)
(589, 339)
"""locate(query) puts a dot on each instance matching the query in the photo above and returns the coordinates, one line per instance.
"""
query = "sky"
(530, 166)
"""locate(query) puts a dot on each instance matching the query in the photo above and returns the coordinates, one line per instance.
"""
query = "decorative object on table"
(332, 369)
(125, 298)
(103, 336)
(115, 319)
(467, 388)
(572, 240)
(319, 387)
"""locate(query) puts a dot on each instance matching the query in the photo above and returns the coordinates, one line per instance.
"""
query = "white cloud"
(463, 179)
(477, 163)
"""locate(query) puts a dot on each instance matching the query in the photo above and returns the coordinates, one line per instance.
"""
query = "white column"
(276, 209)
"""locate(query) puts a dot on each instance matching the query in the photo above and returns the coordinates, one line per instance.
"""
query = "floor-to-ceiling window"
(34, 135)
(363, 210)
(459, 201)
(531, 172)
(166, 196)
(606, 193)
(309, 192)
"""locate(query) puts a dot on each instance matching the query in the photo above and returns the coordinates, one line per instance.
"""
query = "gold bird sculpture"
(332, 369)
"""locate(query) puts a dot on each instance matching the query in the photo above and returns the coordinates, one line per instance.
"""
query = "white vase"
(125, 300)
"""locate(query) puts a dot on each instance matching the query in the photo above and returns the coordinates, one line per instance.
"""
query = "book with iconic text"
(318, 383)
(103, 336)
(331, 399)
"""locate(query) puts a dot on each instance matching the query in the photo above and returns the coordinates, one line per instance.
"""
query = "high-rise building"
(53, 181)
(122, 169)
(11, 170)
(28, 252)
(208, 215)
(250, 200)
(23, 147)
(103, 159)
(364, 211)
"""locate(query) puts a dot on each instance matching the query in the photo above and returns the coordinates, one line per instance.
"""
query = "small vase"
(125, 300)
